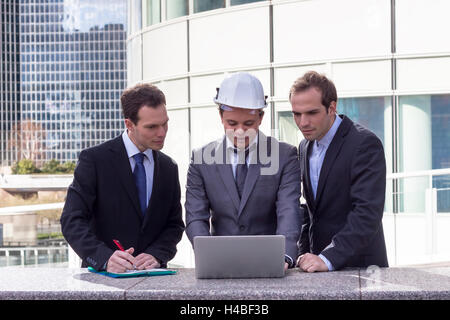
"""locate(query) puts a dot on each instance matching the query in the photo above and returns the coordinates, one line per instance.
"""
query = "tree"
(28, 138)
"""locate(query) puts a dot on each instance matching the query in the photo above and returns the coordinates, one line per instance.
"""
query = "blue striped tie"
(140, 179)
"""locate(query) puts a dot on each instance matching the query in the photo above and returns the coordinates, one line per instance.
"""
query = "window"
(136, 14)
(153, 12)
(237, 2)
(205, 5)
(424, 132)
(369, 112)
(424, 144)
(176, 8)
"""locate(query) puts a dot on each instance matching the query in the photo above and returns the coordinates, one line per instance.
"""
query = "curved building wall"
(389, 59)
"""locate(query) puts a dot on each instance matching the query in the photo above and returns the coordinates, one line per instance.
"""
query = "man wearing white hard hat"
(244, 183)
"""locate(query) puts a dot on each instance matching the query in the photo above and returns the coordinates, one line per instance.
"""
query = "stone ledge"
(18, 283)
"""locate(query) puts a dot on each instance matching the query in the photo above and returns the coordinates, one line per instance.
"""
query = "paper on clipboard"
(135, 273)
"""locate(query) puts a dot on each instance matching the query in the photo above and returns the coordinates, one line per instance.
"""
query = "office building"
(9, 78)
(69, 76)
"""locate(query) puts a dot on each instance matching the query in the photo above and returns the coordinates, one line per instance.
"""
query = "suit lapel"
(306, 151)
(253, 173)
(226, 174)
(331, 154)
(123, 169)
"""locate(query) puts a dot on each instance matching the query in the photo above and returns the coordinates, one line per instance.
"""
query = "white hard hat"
(241, 90)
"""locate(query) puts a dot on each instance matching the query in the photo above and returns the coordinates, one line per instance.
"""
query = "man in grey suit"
(244, 183)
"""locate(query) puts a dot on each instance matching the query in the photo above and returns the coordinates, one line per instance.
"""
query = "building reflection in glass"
(73, 70)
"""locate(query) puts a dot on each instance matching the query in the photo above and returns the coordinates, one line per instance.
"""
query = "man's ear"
(129, 124)
(332, 107)
(261, 116)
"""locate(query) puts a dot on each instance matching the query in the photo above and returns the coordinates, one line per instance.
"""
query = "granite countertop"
(17, 283)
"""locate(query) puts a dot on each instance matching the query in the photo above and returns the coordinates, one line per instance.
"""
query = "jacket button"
(241, 228)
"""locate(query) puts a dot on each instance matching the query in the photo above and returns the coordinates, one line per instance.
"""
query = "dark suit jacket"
(344, 221)
(102, 204)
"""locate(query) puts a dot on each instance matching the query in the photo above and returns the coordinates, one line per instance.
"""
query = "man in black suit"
(126, 189)
(344, 180)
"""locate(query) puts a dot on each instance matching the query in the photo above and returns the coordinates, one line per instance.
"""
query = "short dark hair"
(312, 79)
(140, 95)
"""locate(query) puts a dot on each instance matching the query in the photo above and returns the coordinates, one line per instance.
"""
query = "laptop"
(225, 257)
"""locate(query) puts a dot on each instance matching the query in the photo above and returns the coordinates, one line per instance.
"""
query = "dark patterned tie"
(140, 179)
(241, 170)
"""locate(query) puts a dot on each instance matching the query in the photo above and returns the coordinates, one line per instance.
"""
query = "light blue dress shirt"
(316, 158)
(149, 164)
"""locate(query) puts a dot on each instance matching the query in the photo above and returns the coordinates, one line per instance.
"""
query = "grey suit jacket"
(269, 205)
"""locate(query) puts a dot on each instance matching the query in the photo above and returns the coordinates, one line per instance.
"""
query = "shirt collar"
(328, 137)
(132, 149)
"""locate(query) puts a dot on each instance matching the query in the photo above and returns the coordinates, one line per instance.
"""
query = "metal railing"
(417, 213)
(26, 256)
(424, 191)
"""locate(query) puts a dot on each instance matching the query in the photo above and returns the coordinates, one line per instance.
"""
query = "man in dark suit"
(126, 189)
(344, 180)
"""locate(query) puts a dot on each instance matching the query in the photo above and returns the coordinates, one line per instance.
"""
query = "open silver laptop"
(259, 256)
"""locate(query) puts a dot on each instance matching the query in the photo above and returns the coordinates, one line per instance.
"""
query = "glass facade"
(72, 72)
(176, 8)
(370, 112)
(9, 80)
(136, 11)
(205, 5)
(425, 145)
(237, 2)
(153, 12)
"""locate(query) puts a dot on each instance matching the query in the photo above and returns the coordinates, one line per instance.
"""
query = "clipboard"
(135, 273)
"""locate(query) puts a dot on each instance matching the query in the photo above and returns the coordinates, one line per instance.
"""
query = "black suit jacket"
(102, 204)
(344, 222)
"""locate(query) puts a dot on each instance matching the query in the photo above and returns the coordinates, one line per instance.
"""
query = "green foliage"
(53, 235)
(24, 166)
(69, 167)
(54, 166)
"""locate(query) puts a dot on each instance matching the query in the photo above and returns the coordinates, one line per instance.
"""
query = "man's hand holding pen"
(123, 260)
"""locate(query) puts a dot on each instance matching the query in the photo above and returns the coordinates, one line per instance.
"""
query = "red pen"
(119, 245)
